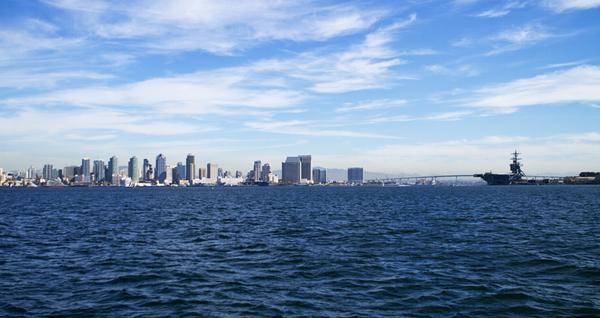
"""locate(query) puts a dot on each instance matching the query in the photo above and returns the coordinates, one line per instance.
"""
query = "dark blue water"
(301, 251)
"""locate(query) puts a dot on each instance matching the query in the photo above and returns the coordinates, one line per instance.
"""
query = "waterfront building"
(306, 171)
(160, 173)
(211, 171)
(256, 171)
(190, 168)
(265, 172)
(69, 172)
(355, 175)
(133, 169)
(201, 173)
(31, 174)
(146, 167)
(113, 169)
(169, 175)
(47, 171)
(220, 172)
(99, 171)
(238, 174)
(86, 170)
(319, 175)
(291, 170)
(179, 172)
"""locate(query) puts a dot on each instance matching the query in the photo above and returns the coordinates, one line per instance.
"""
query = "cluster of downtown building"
(295, 170)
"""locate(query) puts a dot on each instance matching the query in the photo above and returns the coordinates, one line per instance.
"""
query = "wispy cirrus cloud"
(502, 10)
(372, 105)
(444, 116)
(519, 37)
(458, 70)
(569, 5)
(309, 128)
(574, 85)
(222, 27)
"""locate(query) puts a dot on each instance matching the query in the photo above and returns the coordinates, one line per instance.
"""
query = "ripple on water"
(300, 252)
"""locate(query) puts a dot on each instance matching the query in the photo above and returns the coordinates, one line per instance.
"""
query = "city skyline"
(353, 84)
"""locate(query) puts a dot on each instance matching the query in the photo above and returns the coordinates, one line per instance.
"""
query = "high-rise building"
(212, 171)
(169, 175)
(31, 173)
(86, 169)
(113, 168)
(306, 171)
(69, 172)
(133, 170)
(160, 170)
(190, 167)
(179, 172)
(319, 175)
(220, 172)
(265, 171)
(146, 169)
(256, 171)
(355, 175)
(99, 170)
(291, 170)
(201, 173)
(47, 171)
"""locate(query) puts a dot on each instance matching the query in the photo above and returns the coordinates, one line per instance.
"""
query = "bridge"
(399, 180)
(415, 179)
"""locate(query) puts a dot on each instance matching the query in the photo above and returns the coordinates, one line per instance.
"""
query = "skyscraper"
(291, 170)
(190, 167)
(133, 169)
(319, 175)
(212, 171)
(113, 168)
(47, 171)
(355, 175)
(266, 170)
(160, 170)
(169, 174)
(146, 170)
(179, 172)
(201, 173)
(86, 169)
(256, 171)
(306, 171)
(99, 170)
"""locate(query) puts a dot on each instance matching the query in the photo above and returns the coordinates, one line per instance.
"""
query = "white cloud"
(23, 78)
(309, 128)
(445, 116)
(371, 105)
(220, 27)
(522, 35)
(196, 93)
(501, 10)
(459, 70)
(565, 64)
(549, 155)
(578, 84)
(567, 5)
(88, 124)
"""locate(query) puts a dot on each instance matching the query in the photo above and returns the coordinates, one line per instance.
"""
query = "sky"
(399, 87)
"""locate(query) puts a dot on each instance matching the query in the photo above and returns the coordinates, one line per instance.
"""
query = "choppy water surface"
(301, 251)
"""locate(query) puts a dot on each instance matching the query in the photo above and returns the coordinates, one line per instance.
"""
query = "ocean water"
(301, 252)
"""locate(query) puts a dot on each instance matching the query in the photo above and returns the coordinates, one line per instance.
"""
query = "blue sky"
(403, 87)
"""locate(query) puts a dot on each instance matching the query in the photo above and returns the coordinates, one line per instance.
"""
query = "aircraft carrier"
(516, 175)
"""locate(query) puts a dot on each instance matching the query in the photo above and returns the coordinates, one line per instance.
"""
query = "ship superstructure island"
(516, 176)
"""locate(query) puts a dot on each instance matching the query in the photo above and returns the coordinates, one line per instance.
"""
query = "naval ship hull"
(494, 178)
